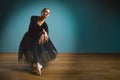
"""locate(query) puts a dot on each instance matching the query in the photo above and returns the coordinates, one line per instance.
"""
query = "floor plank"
(66, 66)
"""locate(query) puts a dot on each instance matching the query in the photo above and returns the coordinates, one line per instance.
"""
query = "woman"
(36, 47)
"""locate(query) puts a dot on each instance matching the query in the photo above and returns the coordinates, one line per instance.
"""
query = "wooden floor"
(64, 67)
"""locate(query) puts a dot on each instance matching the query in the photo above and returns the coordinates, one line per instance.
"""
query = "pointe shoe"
(39, 67)
(33, 68)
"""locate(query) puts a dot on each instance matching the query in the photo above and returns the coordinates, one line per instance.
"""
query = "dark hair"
(44, 9)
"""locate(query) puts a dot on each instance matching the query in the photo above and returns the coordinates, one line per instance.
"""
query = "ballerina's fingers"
(41, 39)
(46, 37)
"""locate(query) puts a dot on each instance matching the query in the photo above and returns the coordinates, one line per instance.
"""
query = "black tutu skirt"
(29, 50)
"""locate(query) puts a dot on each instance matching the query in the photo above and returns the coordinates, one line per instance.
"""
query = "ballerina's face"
(46, 13)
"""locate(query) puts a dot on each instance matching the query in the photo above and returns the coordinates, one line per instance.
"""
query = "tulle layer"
(45, 52)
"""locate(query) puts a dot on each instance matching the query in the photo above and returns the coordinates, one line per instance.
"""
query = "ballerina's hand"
(45, 37)
(41, 39)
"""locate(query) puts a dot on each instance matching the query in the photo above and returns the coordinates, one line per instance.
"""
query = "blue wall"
(79, 26)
